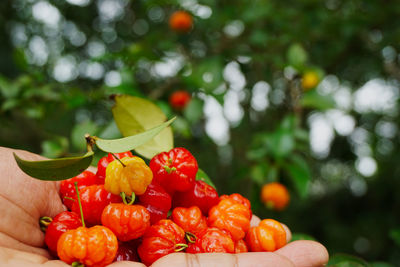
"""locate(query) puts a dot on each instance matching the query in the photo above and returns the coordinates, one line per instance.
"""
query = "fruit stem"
(44, 222)
(118, 159)
(69, 198)
(125, 198)
(191, 238)
(77, 264)
(80, 204)
(169, 169)
(180, 247)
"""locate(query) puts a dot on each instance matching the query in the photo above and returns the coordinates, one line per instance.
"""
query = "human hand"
(23, 200)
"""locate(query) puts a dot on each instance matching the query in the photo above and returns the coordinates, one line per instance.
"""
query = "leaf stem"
(90, 141)
(118, 159)
(80, 204)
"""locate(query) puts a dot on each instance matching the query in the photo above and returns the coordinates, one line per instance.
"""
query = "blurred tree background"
(250, 121)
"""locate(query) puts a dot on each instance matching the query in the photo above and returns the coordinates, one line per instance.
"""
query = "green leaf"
(8, 89)
(182, 127)
(301, 236)
(380, 264)
(202, 176)
(256, 153)
(131, 142)
(257, 174)
(263, 173)
(135, 115)
(395, 235)
(300, 173)
(301, 135)
(345, 260)
(194, 110)
(55, 169)
(212, 68)
(281, 142)
(312, 99)
(20, 58)
(10, 104)
(296, 55)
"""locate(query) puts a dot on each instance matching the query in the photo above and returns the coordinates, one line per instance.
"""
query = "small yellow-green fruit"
(309, 80)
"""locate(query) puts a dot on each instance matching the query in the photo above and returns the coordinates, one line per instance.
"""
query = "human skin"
(23, 200)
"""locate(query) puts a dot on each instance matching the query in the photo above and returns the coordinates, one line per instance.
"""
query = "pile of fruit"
(141, 212)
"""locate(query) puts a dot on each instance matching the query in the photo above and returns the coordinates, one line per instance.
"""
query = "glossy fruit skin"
(240, 199)
(104, 161)
(179, 99)
(157, 201)
(127, 251)
(181, 21)
(95, 246)
(67, 187)
(174, 170)
(241, 246)
(159, 240)
(231, 216)
(269, 236)
(201, 195)
(212, 240)
(134, 177)
(94, 199)
(126, 221)
(309, 80)
(190, 219)
(275, 196)
(61, 223)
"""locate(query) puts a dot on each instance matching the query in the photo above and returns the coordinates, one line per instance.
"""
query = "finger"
(126, 264)
(15, 258)
(45, 200)
(8, 242)
(305, 253)
(259, 259)
(8, 254)
(288, 233)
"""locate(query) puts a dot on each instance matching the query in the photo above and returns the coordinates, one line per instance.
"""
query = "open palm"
(24, 200)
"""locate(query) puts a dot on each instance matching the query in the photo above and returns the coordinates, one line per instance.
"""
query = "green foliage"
(276, 151)
(55, 169)
(301, 236)
(134, 115)
(202, 176)
(344, 260)
(64, 168)
(241, 137)
(313, 100)
(297, 56)
(194, 110)
(133, 142)
(395, 235)
(298, 169)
